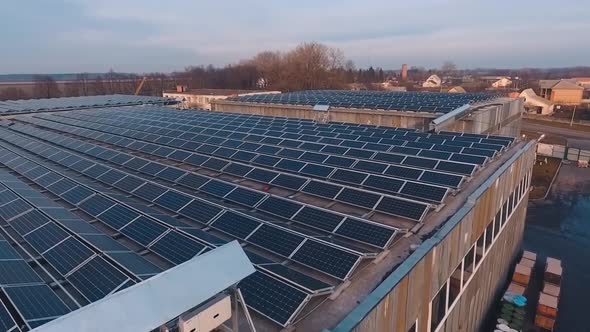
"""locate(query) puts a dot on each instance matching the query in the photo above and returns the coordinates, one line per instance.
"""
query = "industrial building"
(349, 227)
(478, 113)
(564, 92)
(202, 98)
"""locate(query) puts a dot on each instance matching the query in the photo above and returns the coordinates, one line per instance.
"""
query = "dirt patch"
(543, 173)
(560, 125)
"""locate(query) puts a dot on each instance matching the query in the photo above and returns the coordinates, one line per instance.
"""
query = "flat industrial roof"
(150, 187)
(429, 102)
(215, 92)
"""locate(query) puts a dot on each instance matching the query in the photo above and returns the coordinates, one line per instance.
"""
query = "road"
(575, 138)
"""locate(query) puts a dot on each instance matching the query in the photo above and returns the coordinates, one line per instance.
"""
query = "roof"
(57, 104)
(216, 92)
(153, 302)
(428, 102)
(567, 85)
(166, 185)
(457, 89)
(564, 84)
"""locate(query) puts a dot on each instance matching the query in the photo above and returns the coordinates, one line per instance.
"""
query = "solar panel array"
(56, 104)
(167, 185)
(432, 102)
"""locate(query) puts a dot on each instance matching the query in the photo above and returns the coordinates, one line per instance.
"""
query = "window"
(479, 250)
(497, 225)
(489, 236)
(468, 265)
(455, 284)
(510, 204)
(438, 307)
(504, 212)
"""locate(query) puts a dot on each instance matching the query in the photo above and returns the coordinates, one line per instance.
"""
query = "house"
(565, 92)
(432, 82)
(503, 82)
(457, 89)
(536, 104)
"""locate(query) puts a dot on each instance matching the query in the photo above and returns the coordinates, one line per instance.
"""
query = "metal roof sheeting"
(153, 302)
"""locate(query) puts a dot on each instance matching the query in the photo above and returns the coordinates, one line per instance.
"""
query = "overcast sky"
(64, 36)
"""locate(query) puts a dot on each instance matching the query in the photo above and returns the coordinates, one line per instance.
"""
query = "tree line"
(307, 66)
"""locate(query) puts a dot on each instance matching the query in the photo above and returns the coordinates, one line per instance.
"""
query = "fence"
(562, 152)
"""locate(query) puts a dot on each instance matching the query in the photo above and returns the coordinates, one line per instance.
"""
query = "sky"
(69, 36)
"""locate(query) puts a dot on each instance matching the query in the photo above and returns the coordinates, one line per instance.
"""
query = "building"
(502, 83)
(536, 104)
(404, 72)
(170, 300)
(432, 82)
(457, 89)
(350, 227)
(465, 112)
(201, 98)
(565, 92)
(582, 81)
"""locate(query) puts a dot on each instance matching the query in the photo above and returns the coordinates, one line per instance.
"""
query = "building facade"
(453, 278)
(202, 98)
(565, 92)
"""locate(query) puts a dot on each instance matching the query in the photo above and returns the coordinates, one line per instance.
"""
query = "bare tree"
(13, 93)
(448, 67)
(44, 86)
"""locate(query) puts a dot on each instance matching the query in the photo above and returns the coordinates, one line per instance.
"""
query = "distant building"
(391, 86)
(503, 82)
(536, 104)
(201, 98)
(432, 82)
(457, 89)
(404, 72)
(565, 92)
(582, 81)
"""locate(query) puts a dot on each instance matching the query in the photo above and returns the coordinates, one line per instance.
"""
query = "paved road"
(575, 138)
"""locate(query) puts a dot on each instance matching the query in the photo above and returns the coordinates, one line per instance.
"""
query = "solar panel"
(289, 181)
(129, 183)
(45, 237)
(104, 242)
(135, 263)
(96, 205)
(7, 251)
(280, 307)
(13, 209)
(143, 230)
(298, 278)
(424, 191)
(335, 262)
(118, 216)
(67, 255)
(322, 189)
(365, 232)
(76, 195)
(279, 207)
(96, 279)
(15, 272)
(217, 188)
(36, 302)
(317, 170)
(245, 196)
(276, 240)
(235, 224)
(349, 176)
(7, 323)
(193, 180)
(318, 218)
(172, 200)
(28, 222)
(176, 247)
(359, 198)
(200, 211)
(402, 208)
(261, 175)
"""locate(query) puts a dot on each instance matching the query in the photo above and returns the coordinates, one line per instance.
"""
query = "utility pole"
(573, 114)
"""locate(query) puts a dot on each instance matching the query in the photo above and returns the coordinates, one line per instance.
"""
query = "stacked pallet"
(522, 273)
(547, 307)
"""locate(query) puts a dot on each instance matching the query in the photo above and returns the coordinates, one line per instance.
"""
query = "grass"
(542, 176)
